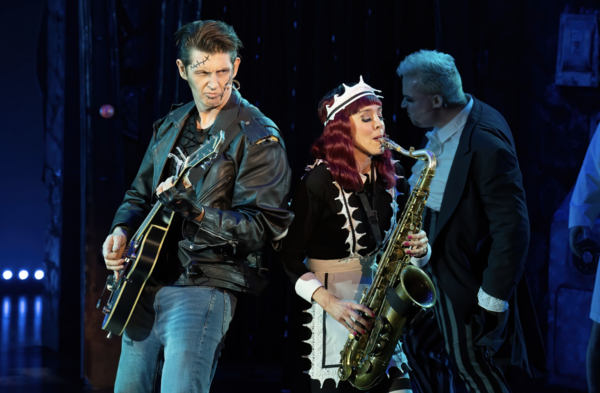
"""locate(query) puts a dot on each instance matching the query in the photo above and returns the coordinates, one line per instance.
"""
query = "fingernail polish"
(364, 332)
(406, 243)
(409, 236)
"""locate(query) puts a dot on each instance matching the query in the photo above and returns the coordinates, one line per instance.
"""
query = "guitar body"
(141, 265)
(134, 287)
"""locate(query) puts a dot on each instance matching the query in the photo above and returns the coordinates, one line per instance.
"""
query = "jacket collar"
(464, 144)
(179, 115)
(455, 125)
(228, 113)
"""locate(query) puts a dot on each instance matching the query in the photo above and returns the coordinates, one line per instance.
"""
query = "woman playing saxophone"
(346, 208)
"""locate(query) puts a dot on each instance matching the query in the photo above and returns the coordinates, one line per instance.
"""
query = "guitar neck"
(142, 229)
(200, 156)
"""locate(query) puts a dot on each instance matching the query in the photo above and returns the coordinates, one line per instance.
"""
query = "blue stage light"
(39, 274)
(23, 274)
(7, 274)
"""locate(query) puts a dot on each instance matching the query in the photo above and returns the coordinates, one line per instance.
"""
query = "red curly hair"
(336, 144)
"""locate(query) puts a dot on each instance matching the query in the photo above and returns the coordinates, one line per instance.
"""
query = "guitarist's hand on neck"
(180, 201)
(113, 249)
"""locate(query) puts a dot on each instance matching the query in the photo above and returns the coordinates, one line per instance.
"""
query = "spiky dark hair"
(208, 36)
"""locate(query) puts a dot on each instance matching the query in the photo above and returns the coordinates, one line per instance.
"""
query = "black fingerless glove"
(181, 202)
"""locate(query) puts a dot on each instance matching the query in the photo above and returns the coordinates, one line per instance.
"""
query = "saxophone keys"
(366, 367)
(398, 254)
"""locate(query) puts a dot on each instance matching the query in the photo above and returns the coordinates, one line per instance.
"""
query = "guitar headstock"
(206, 153)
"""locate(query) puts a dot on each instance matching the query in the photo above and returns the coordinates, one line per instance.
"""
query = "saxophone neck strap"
(371, 214)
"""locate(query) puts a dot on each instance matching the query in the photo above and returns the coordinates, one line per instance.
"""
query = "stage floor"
(27, 366)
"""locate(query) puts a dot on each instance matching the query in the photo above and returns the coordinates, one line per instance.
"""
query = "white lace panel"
(316, 342)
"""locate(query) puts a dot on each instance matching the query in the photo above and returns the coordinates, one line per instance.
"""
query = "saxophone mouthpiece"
(389, 144)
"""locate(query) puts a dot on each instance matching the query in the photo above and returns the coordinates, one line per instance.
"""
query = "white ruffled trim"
(491, 303)
(351, 224)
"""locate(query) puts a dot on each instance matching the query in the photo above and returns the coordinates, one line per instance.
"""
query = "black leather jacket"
(244, 194)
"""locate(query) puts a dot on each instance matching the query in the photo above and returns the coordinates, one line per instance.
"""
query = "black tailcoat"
(482, 235)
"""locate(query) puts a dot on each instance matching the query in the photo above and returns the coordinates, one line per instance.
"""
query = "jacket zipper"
(203, 247)
(231, 242)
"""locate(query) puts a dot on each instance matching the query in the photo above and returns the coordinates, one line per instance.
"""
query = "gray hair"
(437, 74)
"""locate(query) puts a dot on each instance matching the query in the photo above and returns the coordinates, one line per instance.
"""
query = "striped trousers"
(444, 358)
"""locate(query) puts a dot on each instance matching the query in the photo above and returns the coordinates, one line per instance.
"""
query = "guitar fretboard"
(203, 155)
(142, 229)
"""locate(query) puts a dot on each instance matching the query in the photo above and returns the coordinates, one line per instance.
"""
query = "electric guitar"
(144, 248)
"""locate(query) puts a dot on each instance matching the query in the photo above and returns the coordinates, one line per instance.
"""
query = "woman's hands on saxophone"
(417, 244)
(344, 311)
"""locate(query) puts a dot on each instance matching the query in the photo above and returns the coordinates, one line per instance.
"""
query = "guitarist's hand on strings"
(180, 201)
(113, 249)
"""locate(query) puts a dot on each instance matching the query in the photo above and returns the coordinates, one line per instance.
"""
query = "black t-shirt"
(190, 139)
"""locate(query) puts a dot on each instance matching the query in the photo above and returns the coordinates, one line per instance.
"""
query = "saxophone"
(398, 292)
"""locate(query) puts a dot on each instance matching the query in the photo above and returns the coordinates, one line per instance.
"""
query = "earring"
(233, 82)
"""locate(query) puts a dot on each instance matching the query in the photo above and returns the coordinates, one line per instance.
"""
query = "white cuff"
(307, 285)
(420, 262)
(491, 303)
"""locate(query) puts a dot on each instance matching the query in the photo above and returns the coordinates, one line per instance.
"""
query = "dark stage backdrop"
(121, 52)
(22, 240)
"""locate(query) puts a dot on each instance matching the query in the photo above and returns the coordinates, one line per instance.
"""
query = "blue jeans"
(190, 323)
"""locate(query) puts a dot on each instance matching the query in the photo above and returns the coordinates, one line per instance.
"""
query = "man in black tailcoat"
(476, 217)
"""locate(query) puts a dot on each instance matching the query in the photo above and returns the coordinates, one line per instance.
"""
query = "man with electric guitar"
(210, 192)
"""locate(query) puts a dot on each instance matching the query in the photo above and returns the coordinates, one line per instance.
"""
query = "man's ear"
(181, 69)
(236, 65)
(438, 101)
